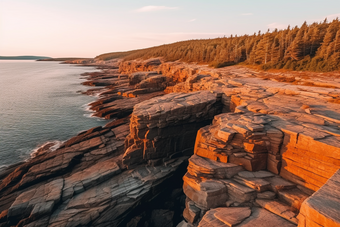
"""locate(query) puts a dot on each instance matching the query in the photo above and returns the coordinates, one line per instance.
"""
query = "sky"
(87, 28)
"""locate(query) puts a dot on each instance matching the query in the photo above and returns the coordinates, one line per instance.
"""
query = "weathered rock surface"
(166, 126)
(205, 194)
(36, 202)
(322, 208)
(242, 217)
(274, 144)
(199, 166)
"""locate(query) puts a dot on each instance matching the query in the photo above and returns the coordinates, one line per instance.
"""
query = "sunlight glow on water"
(38, 103)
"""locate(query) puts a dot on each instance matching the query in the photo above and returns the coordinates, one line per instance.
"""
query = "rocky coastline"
(189, 145)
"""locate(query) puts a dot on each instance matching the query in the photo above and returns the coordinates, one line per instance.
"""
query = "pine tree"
(337, 42)
(275, 51)
(312, 47)
(263, 49)
(295, 50)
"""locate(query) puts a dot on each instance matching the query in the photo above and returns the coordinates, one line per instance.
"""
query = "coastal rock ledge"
(188, 146)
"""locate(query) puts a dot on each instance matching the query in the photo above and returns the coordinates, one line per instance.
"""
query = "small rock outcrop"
(166, 127)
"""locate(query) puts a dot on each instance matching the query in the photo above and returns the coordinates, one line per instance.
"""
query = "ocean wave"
(86, 107)
(91, 115)
(98, 93)
(3, 167)
(48, 146)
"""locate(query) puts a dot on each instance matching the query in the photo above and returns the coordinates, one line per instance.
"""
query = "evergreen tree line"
(314, 47)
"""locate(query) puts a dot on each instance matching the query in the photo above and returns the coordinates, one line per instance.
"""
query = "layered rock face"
(308, 124)
(255, 149)
(98, 178)
(166, 127)
(243, 139)
(289, 130)
(230, 169)
(85, 183)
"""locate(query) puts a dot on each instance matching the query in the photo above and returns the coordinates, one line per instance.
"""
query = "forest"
(313, 47)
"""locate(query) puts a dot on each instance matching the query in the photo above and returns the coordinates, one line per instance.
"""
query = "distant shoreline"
(63, 59)
(25, 57)
(42, 58)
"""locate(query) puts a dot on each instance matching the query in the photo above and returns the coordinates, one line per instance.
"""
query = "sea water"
(39, 102)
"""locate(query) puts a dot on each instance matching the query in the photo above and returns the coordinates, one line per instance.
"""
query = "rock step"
(206, 194)
(241, 217)
(278, 208)
(191, 212)
(258, 184)
(278, 184)
(258, 174)
(199, 166)
(239, 193)
(232, 216)
(293, 197)
(266, 195)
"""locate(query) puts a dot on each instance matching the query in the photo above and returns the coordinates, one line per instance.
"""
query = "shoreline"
(99, 92)
(52, 145)
(215, 127)
(87, 114)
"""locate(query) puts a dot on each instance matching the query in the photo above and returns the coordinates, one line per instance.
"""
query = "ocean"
(39, 102)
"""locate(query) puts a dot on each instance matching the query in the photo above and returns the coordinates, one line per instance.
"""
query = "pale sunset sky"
(87, 28)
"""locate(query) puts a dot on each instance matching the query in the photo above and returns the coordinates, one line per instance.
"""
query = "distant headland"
(63, 59)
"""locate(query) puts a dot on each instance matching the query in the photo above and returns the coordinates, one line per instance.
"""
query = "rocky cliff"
(245, 148)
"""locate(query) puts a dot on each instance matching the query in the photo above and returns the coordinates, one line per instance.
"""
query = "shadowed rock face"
(256, 150)
(96, 190)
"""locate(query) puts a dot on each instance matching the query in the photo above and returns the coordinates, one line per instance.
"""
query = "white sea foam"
(49, 146)
(3, 167)
(86, 107)
(54, 112)
(91, 115)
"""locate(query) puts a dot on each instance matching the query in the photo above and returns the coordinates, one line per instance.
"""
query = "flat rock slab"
(263, 218)
(259, 217)
(266, 195)
(294, 197)
(279, 209)
(238, 192)
(279, 183)
(174, 106)
(258, 184)
(323, 207)
(233, 215)
(81, 181)
(37, 202)
(203, 166)
(206, 194)
(257, 174)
